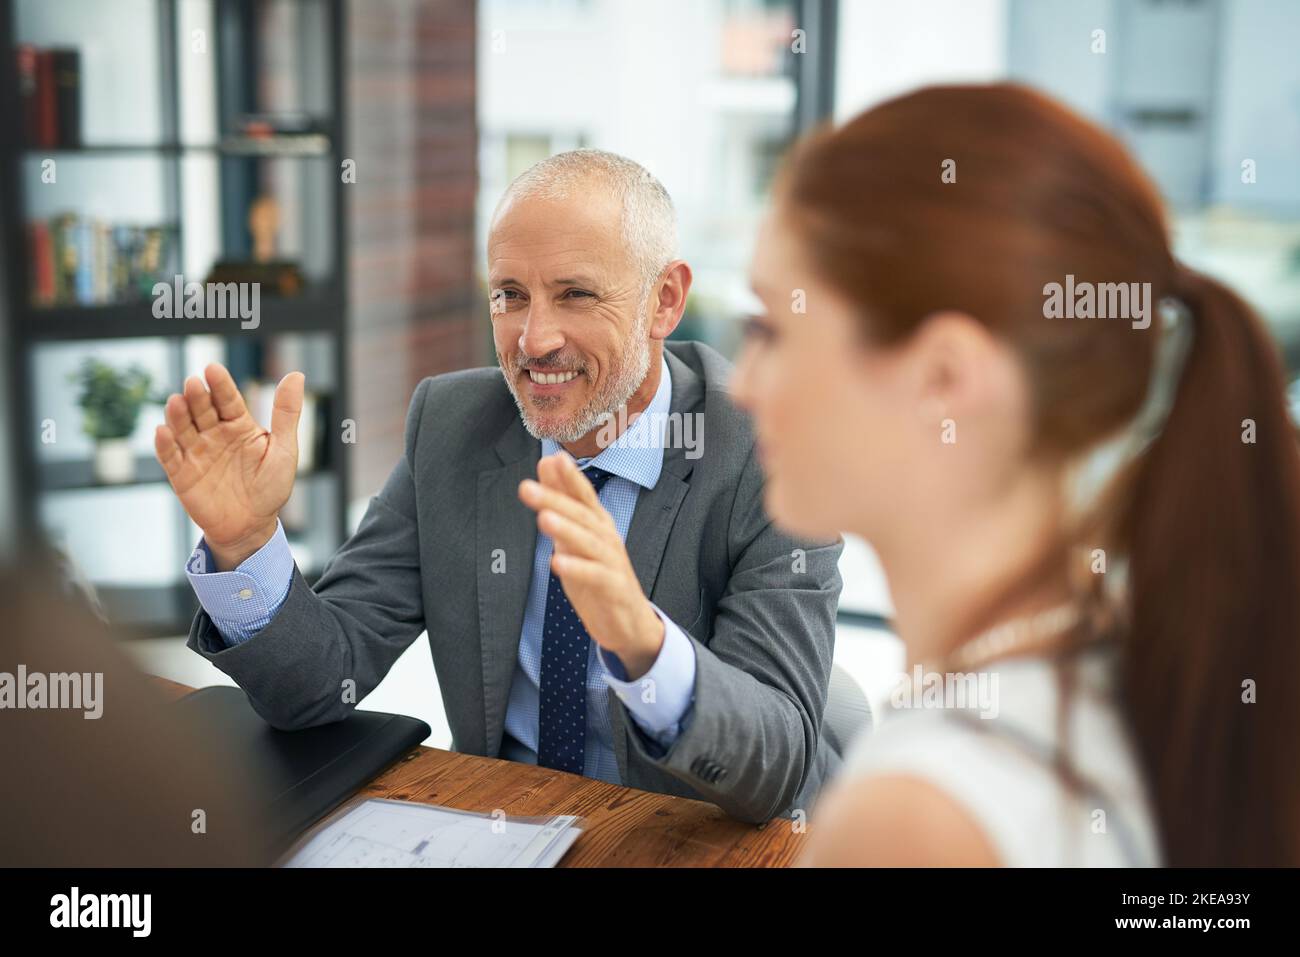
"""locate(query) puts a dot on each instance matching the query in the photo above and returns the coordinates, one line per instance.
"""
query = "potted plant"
(110, 400)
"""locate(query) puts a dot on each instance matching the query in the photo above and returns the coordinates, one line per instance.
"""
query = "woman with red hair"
(1073, 457)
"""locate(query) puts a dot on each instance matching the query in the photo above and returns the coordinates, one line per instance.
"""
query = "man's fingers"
(168, 452)
(572, 538)
(576, 573)
(561, 472)
(177, 413)
(538, 496)
(548, 471)
(578, 484)
(287, 409)
(202, 410)
(225, 397)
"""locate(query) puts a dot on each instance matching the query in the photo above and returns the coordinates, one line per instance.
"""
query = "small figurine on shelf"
(279, 276)
(111, 400)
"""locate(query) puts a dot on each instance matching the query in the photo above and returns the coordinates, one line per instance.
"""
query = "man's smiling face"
(568, 320)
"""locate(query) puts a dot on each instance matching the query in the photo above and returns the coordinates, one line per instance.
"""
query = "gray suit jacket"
(759, 607)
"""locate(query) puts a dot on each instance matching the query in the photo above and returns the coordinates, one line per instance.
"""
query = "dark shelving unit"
(316, 314)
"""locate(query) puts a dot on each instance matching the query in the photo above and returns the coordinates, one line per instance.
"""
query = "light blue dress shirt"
(242, 602)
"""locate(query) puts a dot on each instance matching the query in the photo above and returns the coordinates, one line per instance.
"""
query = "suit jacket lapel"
(656, 508)
(503, 522)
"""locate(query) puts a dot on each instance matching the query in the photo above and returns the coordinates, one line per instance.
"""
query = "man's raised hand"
(232, 475)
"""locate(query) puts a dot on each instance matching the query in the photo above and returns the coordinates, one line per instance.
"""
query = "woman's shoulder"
(1047, 787)
(897, 820)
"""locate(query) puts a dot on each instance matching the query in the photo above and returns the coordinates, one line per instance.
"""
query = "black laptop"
(300, 776)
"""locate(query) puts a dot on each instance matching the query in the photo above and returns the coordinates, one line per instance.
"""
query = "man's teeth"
(550, 378)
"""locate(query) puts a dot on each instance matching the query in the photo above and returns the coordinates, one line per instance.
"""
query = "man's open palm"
(232, 475)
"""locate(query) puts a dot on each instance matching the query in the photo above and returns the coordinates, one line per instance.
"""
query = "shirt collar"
(638, 454)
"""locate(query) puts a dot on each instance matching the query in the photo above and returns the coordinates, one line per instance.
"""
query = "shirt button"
(245, 593)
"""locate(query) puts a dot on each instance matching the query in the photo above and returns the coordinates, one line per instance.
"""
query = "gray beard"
(633, 366)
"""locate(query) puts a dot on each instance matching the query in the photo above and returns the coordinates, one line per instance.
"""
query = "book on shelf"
(82, 261)
(49, 87)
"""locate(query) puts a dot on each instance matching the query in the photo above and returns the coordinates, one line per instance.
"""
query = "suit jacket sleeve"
(762, 675)
(327, 648)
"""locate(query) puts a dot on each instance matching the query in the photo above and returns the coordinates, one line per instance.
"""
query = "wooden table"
(624, 827)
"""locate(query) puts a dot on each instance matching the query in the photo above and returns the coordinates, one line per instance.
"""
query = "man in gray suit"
(581, 531)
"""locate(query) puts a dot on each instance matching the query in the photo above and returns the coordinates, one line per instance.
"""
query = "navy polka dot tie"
(562, 715)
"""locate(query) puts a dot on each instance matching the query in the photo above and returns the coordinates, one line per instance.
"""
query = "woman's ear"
(958, 364)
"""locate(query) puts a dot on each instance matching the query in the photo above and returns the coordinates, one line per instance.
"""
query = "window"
(702, 94)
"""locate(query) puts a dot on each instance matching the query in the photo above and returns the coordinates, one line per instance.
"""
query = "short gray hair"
(649, 219)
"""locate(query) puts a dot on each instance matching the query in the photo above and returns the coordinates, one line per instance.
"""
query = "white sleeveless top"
(1000, 768)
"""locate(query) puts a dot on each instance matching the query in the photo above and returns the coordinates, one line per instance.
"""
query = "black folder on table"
(300, 776)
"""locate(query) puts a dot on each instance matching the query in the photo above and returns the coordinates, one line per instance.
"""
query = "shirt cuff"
(242, 602)
(659, 699)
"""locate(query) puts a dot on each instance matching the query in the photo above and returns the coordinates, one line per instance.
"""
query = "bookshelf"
(175, 120)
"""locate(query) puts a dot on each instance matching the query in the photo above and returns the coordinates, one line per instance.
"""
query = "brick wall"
(414, 306)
